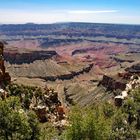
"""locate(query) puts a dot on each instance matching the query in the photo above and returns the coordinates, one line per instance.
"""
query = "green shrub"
(15, 124)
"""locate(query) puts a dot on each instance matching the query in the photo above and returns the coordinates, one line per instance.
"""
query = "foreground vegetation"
(107, 122)
(100, 122)
(15, 124)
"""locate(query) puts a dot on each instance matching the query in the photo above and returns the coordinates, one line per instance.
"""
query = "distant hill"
(72, 29)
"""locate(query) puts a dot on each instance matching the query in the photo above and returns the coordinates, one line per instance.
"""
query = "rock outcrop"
(15, 57)
(134, 69)
(85, 50)
(112, 83)
(71, 75)
(131, 85)
(119, 60)
(48, 107)
(4, 76)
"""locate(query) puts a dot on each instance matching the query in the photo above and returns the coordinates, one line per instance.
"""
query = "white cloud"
(108, 16)
(91, 12)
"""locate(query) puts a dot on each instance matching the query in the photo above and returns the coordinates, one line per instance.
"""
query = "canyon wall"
(70, 75)
(112, 83)
(4, 76)
(27, 57)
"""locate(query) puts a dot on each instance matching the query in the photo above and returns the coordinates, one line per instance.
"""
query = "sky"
(54, 11)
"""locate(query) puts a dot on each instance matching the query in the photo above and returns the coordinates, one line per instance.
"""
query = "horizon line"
(68, 22)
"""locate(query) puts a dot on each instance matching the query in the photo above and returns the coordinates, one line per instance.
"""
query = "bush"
(15, 124)
(88, 124)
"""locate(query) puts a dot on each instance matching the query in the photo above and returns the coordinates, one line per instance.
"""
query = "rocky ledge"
(134, 69)
(69, 76)
(4, 75)
(112, 83)
(27, 57)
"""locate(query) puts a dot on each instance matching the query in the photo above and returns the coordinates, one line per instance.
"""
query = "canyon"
(82, 61)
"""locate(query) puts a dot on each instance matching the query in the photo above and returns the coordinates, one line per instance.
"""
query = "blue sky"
(51, 11)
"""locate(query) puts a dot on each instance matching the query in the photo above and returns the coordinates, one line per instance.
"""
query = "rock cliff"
(134, 69)
(15, 57)
(71, 75)
(4, 76)
(112, 83)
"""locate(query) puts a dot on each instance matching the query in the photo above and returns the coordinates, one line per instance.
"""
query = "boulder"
(41, 113)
